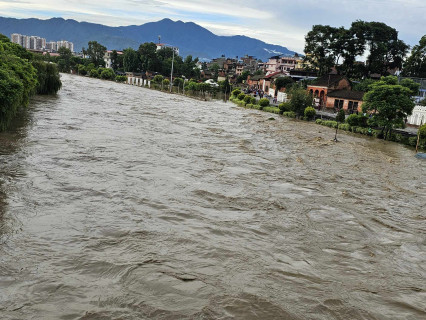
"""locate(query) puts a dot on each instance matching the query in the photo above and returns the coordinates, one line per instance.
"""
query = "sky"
(281, 22)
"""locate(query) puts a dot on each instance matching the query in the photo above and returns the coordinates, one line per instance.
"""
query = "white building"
(162, 46)
(107, 58)
(418, 117)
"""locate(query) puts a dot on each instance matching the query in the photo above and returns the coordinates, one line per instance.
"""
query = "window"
(338, 104)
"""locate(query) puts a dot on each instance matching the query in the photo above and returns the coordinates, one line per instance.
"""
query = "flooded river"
(118, 202)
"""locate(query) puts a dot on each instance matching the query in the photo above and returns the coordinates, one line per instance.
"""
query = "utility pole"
(171, 74)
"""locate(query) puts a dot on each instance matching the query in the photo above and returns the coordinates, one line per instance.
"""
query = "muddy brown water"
(118, 202)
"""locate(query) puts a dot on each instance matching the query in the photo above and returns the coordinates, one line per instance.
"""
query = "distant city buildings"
(38, 43)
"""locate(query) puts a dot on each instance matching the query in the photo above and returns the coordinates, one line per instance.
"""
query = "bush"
(362, 121)
(319, 121)
(330, 123)
(344, 126)
(121, 78)
(264, 102)
(289, 114)
(357, 120)
(108, 74)
(94, 73)
(166, 82)
(352, 120)
(272, 109)
(422, 131)
(253, 100)
(236, 92)
(247, 99)
(158, 78)
(310, 113)
(412, 141)
(241, 96)
(249, 105)
(285, 107)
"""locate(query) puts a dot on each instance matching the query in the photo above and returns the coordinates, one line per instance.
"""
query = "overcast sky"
(282, 22)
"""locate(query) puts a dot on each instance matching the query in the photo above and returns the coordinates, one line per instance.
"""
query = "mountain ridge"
(191, 38)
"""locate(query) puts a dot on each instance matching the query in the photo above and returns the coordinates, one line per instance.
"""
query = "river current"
(119, 202)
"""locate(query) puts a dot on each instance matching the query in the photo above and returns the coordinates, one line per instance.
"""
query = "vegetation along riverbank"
(22, 74)
(374, 125)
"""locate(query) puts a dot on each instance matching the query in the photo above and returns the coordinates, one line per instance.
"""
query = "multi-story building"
(282, 64)
(107, 58)
(38, 43)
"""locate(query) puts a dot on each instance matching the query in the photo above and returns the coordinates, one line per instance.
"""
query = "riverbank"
(406, 137)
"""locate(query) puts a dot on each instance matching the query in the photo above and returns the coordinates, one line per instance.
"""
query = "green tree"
(116, 61)
(131, 62)
(148, 57)
(107, 74)
(18, 80)
(390, 102)
(243, 76)
(96, 51)
(282, 82)
(320, 48)
(48, 78)
(326, 47)
(299, 101)
(64, 62)
(415, 66)
(215, 69)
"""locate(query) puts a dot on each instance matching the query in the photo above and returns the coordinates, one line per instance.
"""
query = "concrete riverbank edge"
(400, 136)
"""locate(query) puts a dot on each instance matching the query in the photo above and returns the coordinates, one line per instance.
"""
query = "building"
(40, 44)
(418, 117)
(348, 100)
(107, 58)
(163, 46)
(322, 86)
(282, 64)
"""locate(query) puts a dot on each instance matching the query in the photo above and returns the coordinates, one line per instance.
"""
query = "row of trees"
(22, 74)
(327, 47)
(148, 58)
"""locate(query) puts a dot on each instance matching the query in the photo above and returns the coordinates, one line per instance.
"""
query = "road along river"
(118, 202)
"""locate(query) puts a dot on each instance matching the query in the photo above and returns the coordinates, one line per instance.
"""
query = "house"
(206, 74)
(254, 81)
(107, 58)
(320, 87)
(348, 100)
(282, 64)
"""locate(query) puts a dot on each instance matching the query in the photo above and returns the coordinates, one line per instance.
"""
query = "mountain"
(188, 36)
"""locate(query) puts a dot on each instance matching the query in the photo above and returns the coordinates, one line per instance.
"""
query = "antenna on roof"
(159, 39)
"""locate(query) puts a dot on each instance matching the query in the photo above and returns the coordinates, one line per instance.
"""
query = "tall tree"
(320, 48)
(390, 102)
(327, 47)
(131, 62)
(64, 61)
(96, 51)
(148, 56)
(282, 82)
(415, 66)
(116, 60)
